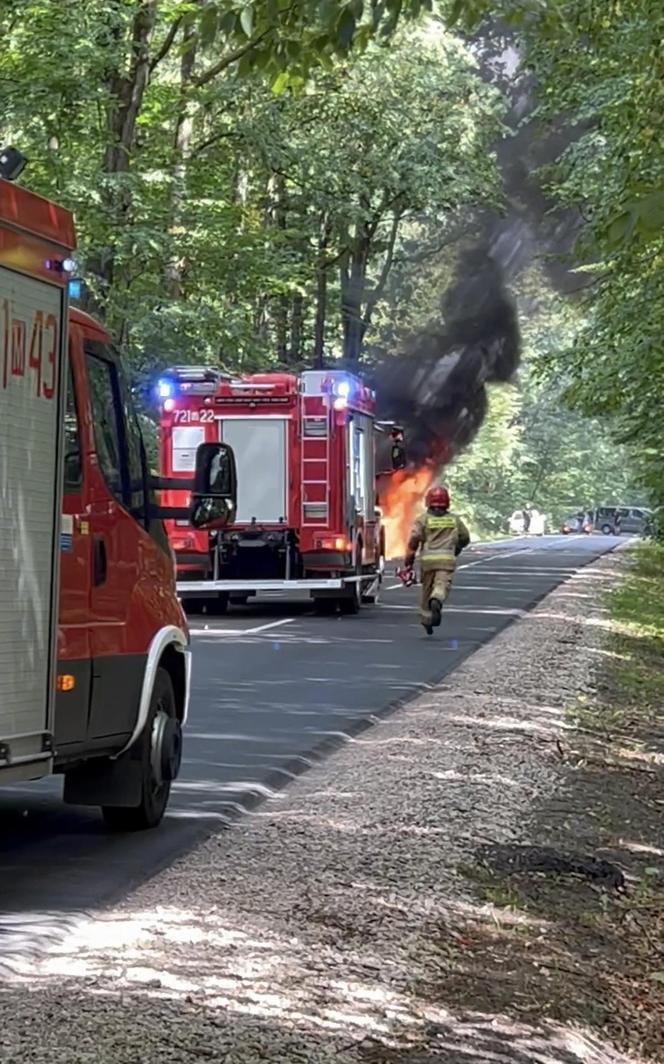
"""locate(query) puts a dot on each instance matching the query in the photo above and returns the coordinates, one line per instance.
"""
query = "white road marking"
(478, 561)
(494, 557)
(272, 624)
(512, 612)
(241, 631)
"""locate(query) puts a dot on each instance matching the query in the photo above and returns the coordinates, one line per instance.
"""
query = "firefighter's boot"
(436, 607)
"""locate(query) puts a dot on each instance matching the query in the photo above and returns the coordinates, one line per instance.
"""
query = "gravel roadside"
(344, 921)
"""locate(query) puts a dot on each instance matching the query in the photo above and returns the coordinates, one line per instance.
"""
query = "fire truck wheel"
(193, 605)
(159, 750)
(324, 607)
(216, 607)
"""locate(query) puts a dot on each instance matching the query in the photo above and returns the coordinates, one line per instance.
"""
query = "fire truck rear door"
(31, 330)
(262, 469)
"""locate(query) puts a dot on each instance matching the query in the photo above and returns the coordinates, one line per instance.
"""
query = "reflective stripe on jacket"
(440, 537)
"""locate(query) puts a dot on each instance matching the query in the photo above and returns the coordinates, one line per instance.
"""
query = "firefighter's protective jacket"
(441, 536)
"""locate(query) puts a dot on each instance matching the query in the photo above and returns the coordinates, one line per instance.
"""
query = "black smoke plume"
(437, 386)
(437, 389)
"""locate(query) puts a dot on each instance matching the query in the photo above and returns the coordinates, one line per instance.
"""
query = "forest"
(296, 183)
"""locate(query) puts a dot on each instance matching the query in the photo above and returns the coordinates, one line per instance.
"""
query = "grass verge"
(572, 941)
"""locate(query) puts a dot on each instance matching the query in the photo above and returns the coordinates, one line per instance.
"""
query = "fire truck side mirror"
(398, 455)
(214, 498)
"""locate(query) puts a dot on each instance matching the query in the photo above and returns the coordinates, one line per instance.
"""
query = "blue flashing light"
(343, 389)
(165, 388)
(74, 287)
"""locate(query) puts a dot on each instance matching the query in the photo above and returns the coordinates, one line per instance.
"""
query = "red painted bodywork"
(260, 395)
(122, 615)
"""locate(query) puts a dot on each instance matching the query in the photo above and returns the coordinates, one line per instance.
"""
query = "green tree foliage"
(239, 181)
(599, 71)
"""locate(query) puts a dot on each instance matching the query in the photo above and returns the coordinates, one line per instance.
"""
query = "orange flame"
(401, 497)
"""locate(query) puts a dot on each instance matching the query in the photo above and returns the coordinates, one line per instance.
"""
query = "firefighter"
(440, 537)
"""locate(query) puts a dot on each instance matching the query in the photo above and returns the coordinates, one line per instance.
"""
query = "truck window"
(72, 449)
(136, 460)
(105, 415)
(119, 442)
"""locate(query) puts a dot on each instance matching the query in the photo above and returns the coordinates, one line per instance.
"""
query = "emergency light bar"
(244, 400)
(250, 386)
(12, 163)
(191, 380)
(194, 373)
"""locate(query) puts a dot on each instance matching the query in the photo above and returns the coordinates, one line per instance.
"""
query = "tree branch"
(227, 60)
(166, 44)
(388, 262)
(205, 144)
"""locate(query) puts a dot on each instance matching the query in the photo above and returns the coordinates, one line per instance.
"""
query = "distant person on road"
(440, 537)
(527, 518)
(537, 522)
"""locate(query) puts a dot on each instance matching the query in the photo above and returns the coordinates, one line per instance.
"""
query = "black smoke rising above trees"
(437, 386)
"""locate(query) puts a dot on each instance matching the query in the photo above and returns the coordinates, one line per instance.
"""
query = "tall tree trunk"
(376, 294)
(353, 273)
(126, 91)
(278, 217)
(322, 268)
(296, 331)
(281, 328)
(184, 123)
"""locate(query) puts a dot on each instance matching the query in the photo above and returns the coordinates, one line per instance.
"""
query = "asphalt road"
(273, 685)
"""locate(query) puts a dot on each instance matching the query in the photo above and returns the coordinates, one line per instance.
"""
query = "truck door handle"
(99, 562)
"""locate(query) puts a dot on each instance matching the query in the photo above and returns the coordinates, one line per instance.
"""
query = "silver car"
(614, 520)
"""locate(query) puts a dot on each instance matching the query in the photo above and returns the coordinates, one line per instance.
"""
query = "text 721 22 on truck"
(94, 654)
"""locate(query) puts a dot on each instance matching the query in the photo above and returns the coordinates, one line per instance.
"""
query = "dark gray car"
(614, 520)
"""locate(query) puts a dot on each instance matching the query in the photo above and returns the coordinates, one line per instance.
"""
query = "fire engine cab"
(94, 654)
(306, 514)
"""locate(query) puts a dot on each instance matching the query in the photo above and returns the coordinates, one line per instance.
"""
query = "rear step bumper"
(195, 587)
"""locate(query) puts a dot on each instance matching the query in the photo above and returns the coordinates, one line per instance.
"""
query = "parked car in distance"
(615, 520)
(577, 523)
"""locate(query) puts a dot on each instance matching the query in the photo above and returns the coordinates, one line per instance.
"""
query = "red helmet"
(439, 497)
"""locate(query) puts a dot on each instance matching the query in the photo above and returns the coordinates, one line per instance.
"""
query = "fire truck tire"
(216, 607)
(193, 605)
(325, 607)
(159, 751)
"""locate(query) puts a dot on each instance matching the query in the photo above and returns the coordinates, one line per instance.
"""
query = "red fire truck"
(306, 517)
(94, 653)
